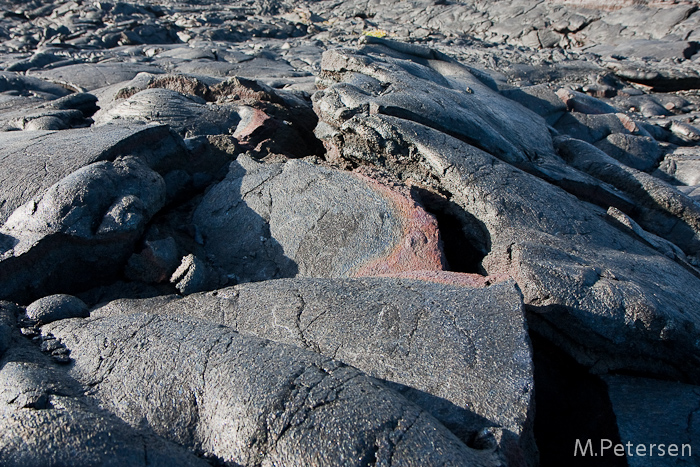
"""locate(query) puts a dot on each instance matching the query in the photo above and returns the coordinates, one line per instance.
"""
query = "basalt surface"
(348, 233)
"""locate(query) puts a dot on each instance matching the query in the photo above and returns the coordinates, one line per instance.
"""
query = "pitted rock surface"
(224, 393)
(671, 408)
(46, 419)
(404, 331)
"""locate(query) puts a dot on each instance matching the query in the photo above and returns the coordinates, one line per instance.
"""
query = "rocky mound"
(358, 233)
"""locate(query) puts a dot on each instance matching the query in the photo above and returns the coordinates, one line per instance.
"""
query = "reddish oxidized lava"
(420, 246)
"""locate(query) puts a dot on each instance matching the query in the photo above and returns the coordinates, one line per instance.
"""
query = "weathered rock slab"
(247, 400)
(649, 49)
(460, 352)
(639, 152)
(422, 86)
(27, 85)
(661, 208)
(274, 220)
(80, 230)
(261, 118)
(185, 114)
(72, 111)
(46, 419)
(33, 161)
(89, 76)
(683, 166)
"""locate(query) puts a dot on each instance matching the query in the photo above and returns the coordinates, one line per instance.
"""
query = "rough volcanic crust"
(358, 233)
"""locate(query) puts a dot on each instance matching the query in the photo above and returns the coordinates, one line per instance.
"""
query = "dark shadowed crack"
(469, 341)
(145, 453)
(297, 405)
(571, 404)
(297, 322)
(207, 357)
(269, 177)
(298, 314)
(402, 426)
(282, 406)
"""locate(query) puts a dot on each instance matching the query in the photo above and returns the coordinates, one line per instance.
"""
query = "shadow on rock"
(465, 239)
(237, 236)
(41, 402)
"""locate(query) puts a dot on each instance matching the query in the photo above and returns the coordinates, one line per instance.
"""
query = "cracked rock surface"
(397, 330)
(348, 233)
(47, 419)
(247, 400)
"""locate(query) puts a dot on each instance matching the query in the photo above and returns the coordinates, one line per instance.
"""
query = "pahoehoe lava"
(392, 232)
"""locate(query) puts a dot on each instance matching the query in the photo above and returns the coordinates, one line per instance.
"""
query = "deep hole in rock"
(570, 404)
(461, 255)
(465, 241)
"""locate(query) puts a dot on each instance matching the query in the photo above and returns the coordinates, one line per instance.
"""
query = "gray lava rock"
(80, 230)
(423, 86)
(658, 418)
(187, 115)
(572, 266)
(647, 105)
(595, 127)
(683, 166)
(246, 400)
(661, 209)
(649, 49)
(33, 162)
(459, 352)
(259, 67)
(55, 307)
(540, 99)
(277, 220)
(46, 420)
(259, 117)
(71, 111)
(37, 60)
(660, 244)
(639, 152)
(89, 76)
(661, 79)
(427, 88)
(155, 263)
(685, 132)
(691, 191)
(593, 240)
(194, 275)
(583, 103)
(26, 85)
(42, 120)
